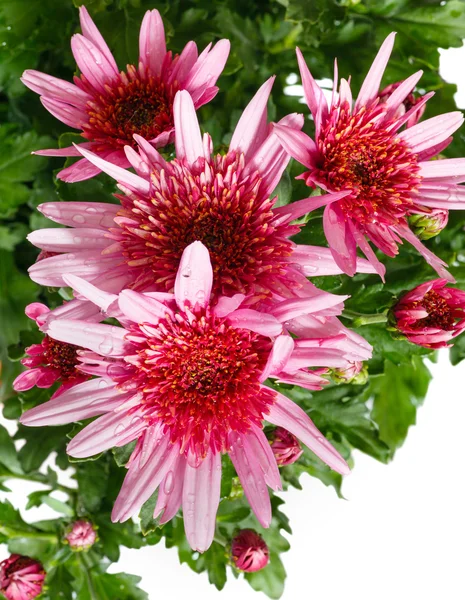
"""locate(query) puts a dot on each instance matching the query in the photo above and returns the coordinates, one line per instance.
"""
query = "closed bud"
(81, 535)
(249, 551)
(427, 224)
(355, 373)
(285, 446)
(21, 577)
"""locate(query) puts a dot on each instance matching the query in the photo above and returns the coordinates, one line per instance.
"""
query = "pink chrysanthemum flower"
(21, 578)
(110, 106)
(186, 380)
(81, 535)
(385, 173)
(50, 361)
(431, 314)
(249, 551)
(285, 446)
(223, 201)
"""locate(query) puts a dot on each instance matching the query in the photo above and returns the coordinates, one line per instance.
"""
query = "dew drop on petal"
(169, 483)
(79, 218)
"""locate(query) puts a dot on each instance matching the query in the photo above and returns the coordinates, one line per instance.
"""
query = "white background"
(399, 535)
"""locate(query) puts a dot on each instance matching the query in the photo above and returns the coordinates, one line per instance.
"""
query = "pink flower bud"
(406, 105)
(21, 578)
(429, 223)
(431, 314)
(285, 446)
(249, 551)
(354, 373)
(81, 536)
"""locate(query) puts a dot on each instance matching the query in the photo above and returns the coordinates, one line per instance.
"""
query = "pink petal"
(188, 139)
(170, 492)
(410, 113)
(340, 239)
(432, 131)
(81, 214)
(194, 279)
(451, 170)
(90, 292)
(68, 240)
(251, 476)
(370, 86)
(298, 209)
(296, 307)
(314, 96)
(90, 31)
(78, 171)
(140, 308)
(28, 379)
(70, 115)
(287, 414)
(401, 93)
(251, 130)
(367, 251)
(208, 67)
(152, 44)
(345, 93)
(263, 323)
(107, 340)
(183, 64)
(316, 261)
(257, 444)
(200, 500)
(298, 144)
(93, 64)
(447, 196)
(226, 305)
(278, 357)
(69, 151)
(35, 310)
(54, 88)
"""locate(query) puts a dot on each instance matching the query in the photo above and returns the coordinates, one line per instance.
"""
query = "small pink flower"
(249, 551)
(285, 446)
(185, 378)
(21, 578)
(81, 535)
(50, 361)
(427, 223)
(383, 175)
(110, 106)
(431, 314)
(355, 373)
(408, 103)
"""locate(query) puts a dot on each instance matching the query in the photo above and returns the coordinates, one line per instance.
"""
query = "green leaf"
(58, 584)
(122, 454)
(269, 580)
(92, 478)
(216, 559)
(8, 455)
(58, 506)
(11, 522)
(147, 523)
(40, 442)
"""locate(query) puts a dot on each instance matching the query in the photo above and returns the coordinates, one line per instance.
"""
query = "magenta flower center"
(440, 314)
(231, 219)
(133, 104)
(61, 356)
(200, 377)
(377, 166)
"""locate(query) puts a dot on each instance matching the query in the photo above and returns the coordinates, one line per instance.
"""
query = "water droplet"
(200, 295)
(169, 483)
(79, 218)
(105, 346)
(77, 240)
(119, 430)
(186, 272)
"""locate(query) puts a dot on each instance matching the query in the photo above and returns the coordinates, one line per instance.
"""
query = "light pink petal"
(200, 500)
(432, 131)
(306, 379)
(401, 92)
(92, 63)
(263, 323)
(345, 93)
(296, 307)
(367, 251)
(77, 310)
(314, 96)
(140, 308)
(251, 476)
(81, 214)
(287, 414)
(431, 258)
(79, 402)
(316, 357)
(152, 44)
(188, 140)
(78, 171)
(70, 115)
(90, 292)
(35, 310)
(226, 305)
(370, 86)
(316, 261)
(434, 150)
(108, 431)
(208, 67)
(447, 170)
(150, 154)
(278, 357)
(251, 130)
(90, 31)
(69, 151)
(294, 210)
(447, 196)
(121, 175)
(257, 444)
(143, 479)
(410, 113)
(68, 240)
(107, 340)
(298, 144)
(340, 239)
(194, 279)
(54, 88)
(184, 64)
(40, 377)
(170, 492)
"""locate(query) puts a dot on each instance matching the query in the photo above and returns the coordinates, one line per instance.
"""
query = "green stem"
(40, 479)
(87, 566)
(220, 539)
(361, 319)
(16, 533)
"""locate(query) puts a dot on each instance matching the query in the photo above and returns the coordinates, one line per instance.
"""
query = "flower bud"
(406, 105)
(21, 577)
(249, 551)
(427, 224)
(431, 314)
(356, 373)
(285, 446)
(81, 535)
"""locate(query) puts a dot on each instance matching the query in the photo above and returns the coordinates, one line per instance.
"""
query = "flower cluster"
(192, 301)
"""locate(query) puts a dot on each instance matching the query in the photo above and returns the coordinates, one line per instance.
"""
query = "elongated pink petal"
(370, 86)
(194, 279)
(367, 251)
(70, 115)
(140, 308)
(54, 88)
(184, 63)
(78, 171)
(298, 144)
(152, 43)
(152, 156)
(314, 96)
(431, 258)
(432, 131)
(141, 481)
(257, 444)
(208, 67)
(263, 323)
(410, 113)
(251, 477)
(97, 296)
(316, 357)
(316, 261)
(69, 151)
(294, 210)
(188, 140)
(447, 196)
(169, 498)
(107, 340)
(345, 93)
(93, 64)
(200, 500)
(251, 129)
(226, 305)
(80, 214)
(295, 307)
(401, 93)
(90, 31)
(287, 414)
(448, 169)
(41, 377)
(340, 239)
(279, 355)
(68, 240)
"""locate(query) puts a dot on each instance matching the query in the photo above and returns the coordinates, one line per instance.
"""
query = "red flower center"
(200, 376)
(380, 169)
(61, 356)
(231, 219)
(440, 314)
(133, 104)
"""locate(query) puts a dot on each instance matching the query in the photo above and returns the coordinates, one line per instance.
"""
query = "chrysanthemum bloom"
(110, 106)
(222, 201)
(21, 577)
(249, 551)
(285, 446)
(185, 379)
(407, 103)
(429, 222)
(50, 361)
(81, 535)
(387, 174)
(431, 314)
